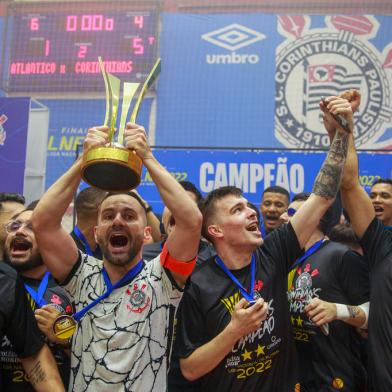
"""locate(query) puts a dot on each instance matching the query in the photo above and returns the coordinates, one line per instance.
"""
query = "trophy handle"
(147, 84)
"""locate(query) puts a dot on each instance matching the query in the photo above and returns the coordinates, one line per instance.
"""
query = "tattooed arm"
(328, 180)
(355, 199)
(43, 372)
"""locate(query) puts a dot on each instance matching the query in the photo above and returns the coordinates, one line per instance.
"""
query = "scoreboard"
(56, 50)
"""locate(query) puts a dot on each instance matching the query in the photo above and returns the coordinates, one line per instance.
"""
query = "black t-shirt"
(16, 318)
(14, 377)
(336, 274)
(377, 244)
(263, 360)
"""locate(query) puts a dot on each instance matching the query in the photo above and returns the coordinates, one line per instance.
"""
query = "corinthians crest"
(312, 63)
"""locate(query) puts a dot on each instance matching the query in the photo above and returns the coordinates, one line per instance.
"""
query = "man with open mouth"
(381, 197)
(123, 304)
(46, 298)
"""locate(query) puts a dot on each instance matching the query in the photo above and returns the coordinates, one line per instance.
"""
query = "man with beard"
(381, 197)
(123, 304)
(10, 204)
(274, 203)
(46, 298)
(17, 322)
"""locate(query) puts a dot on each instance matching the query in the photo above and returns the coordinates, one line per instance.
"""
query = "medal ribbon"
(127, 277)
(38, 296)
(83, 239)
(249, 296)
(309, 252)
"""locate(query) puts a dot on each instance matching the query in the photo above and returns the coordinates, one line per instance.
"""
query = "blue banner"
(254, 171)
(14, 118)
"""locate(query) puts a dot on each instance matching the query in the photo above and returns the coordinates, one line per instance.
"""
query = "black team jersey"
(16, 318)
(263, 360)
(14, 378)
(336, 274)
(377, 244)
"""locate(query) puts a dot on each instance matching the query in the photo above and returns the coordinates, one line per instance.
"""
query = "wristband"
(342, 312)
(179, 267)
(365, 308)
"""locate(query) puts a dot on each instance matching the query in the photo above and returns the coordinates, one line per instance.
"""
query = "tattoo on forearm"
(37, 374)
(354, 311)
(330, 175)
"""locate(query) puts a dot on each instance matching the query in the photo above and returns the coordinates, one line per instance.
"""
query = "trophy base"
(112, 169)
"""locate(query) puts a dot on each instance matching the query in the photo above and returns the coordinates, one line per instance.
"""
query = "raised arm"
(325, 188)
(43, 372)
(355, 200)
(184, 240)
(58, 249)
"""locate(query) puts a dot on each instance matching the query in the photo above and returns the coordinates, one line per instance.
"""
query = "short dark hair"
(277, 189)
(14, 197)
(32, 205)
(302, 196)
(382, 181)
(190, 187)
(208, 204)
(344, 234)
(88, 200)
(253, 207)
(325, 220)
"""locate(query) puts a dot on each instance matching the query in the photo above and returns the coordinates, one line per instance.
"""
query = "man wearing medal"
(234, 323)
(123, 304)
(376, 242)
(326, 288)
(46, 298)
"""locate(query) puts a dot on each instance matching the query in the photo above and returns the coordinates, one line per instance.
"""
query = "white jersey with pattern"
(121, 344)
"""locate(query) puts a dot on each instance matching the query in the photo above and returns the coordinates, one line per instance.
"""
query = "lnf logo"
(233, 37)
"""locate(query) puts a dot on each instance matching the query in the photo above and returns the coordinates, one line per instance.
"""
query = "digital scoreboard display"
(57, 51)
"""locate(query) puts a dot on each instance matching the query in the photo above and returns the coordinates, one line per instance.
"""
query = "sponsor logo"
(315, 63)
(232, 38)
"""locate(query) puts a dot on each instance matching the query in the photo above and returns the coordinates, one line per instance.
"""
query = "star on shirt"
(259, 350)
(247, 355)
(299, 321)
(292, 320)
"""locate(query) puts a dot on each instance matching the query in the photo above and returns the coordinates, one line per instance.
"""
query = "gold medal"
(64, 326)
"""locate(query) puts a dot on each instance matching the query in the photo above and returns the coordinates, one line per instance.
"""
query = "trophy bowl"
(112, 168)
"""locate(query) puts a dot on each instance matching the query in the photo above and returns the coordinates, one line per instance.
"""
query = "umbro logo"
(233, 37)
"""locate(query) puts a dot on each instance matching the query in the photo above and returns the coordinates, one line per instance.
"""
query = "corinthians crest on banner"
(318, 62)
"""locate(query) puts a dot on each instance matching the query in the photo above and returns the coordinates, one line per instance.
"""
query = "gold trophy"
(113, 167)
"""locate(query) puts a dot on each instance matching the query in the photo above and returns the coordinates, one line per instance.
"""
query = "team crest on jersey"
(304, 280)
(138, 297)
(319, 62)
(3, 133)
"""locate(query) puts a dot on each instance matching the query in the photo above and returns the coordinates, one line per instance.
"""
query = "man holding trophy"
(123, 304)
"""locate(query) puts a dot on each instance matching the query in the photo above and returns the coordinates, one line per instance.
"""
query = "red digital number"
(137, 45)
(82, 51)
(34, 24)
(139, 21)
